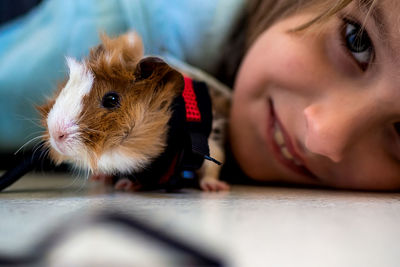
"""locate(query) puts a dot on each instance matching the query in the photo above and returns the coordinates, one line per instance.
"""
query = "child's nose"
(330, 132)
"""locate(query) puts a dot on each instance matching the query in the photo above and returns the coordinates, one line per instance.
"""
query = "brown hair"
(260, 15)
(264, 13)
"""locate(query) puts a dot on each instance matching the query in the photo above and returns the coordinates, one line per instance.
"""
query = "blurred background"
(37, 35)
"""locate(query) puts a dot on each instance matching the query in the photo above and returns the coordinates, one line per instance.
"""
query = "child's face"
(322, 107)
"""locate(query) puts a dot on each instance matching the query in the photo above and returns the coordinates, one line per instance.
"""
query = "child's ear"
(159, 72)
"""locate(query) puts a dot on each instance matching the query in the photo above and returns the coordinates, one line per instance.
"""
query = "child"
(315, 98)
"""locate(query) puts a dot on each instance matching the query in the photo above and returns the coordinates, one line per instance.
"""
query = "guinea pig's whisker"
(31, 120)
(43, 156)
(81, 116)
(36, 133)
(43, 152)
(79, 172)
(37, 147)
(85, 180)
(75, 174)
(88, 140)
(27, 143)
(92, 130)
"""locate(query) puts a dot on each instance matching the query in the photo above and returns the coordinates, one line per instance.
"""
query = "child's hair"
(261, 14)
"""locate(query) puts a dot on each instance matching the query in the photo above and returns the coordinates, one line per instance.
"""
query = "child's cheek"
(276, 60)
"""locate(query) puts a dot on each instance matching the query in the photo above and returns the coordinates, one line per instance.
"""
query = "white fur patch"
(132, 39)
(64, 114)
(116, 161)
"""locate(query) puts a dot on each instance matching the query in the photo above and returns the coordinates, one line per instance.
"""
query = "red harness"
(192, 109)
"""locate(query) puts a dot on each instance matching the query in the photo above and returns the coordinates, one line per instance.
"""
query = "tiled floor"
(248, 226)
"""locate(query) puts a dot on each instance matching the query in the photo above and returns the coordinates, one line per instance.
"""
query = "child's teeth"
(280, 140)
(286, 153)
(279, 137)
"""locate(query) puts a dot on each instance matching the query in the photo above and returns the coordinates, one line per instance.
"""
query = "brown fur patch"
(116, 58)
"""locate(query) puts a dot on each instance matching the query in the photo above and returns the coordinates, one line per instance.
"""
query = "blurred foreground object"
(111, 239)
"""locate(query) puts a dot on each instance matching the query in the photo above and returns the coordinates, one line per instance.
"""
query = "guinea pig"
(111, 115)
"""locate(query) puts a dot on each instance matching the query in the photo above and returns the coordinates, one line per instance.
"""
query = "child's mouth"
(283, 147)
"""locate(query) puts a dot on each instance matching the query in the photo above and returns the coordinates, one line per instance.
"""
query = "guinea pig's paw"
(211, 184)
(105, 179)
(124, 184)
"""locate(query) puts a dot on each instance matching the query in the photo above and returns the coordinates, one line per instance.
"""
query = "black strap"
(23, 167)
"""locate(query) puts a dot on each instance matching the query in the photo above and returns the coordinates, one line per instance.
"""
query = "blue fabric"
(33, 47)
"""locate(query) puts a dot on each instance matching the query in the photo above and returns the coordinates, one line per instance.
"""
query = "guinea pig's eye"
(110, 100)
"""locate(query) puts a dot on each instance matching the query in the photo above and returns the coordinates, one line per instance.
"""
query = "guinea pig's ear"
(116, 57)
(147, 66)
(160, 72)
(173, 80)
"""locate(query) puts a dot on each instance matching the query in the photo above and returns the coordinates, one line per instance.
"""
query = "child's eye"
(358, 43)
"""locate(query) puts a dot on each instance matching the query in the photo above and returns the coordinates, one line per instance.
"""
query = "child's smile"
(283, 148)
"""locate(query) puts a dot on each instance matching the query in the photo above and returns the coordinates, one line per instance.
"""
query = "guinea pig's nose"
(61, 136)
(62, 131)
